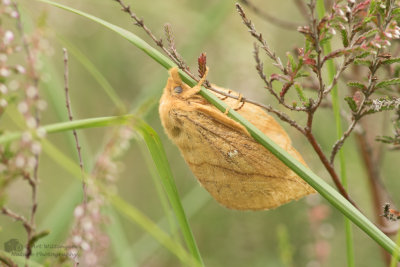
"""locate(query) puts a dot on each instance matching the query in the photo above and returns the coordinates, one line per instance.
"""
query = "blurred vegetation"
(287, 236)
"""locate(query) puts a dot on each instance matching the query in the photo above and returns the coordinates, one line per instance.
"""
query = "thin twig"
(157, 41)
(339, 143)
(328, 166)
(7, 261)
(171, 43)
(268, 85)
(345, 63)
(78, 147)
(182, 65)
(273, 20)
(34, 181)
(17, 217)
(258, 36)
(283, 116)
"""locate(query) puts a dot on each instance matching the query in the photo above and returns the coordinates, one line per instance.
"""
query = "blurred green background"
(286, 236)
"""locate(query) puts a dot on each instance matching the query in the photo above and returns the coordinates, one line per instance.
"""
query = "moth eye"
(178, 89)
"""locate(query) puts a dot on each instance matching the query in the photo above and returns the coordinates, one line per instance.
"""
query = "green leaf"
(390, 61)
(385, 139)
(367, 63)
(292, 62)
(370, 33)
(363, 55)
(357, 85)
(300, 92)
(301, 74)
(372, 7)
(386, 83)
(345, 39)
(352, 104)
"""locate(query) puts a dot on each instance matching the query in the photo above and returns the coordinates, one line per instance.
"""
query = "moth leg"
(194, 90)
(239, 104)
(224, 96)
(227, 110)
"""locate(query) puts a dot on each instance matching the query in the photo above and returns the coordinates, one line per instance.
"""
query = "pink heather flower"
(31, 91)
(79, 211)
(36, 148)
(85, 246)
(32, 162)
(77, 240)
(3, 103)
(19, 161)
(3, 89)
(31, 122)
(8, 37)
(26, 137)
(23, 107)
(388, 35)
(14, 14)
(20, 69)
(5, 72)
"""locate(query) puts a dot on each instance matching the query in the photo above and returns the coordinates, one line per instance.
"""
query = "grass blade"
(160, 159)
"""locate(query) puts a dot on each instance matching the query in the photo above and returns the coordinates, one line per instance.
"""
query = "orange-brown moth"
(236, 170)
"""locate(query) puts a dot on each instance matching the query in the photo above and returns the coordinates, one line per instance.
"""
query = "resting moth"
(236, 170)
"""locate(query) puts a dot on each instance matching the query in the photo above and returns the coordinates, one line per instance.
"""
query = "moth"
(236, 170)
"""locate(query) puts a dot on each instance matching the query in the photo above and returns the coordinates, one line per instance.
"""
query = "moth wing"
(236, 170)
(265, 123)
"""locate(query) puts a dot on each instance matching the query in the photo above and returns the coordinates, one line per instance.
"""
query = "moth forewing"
(237, 171)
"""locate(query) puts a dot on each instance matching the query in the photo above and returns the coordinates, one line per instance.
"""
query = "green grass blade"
(285, 248)
(395, 256)
(142, 45)
(70, 125)
(193, 201)
(152, 228)
(330, 194)
(339, 132)
(152, 167)
(160, 159)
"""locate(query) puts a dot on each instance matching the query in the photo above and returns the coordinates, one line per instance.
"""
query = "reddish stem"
(328, 166)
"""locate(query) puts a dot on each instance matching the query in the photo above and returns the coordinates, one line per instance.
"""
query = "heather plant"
(346, 67)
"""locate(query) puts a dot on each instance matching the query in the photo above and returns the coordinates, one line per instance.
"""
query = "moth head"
(176, 87)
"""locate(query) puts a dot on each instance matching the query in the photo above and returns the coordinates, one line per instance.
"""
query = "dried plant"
(19, 86)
